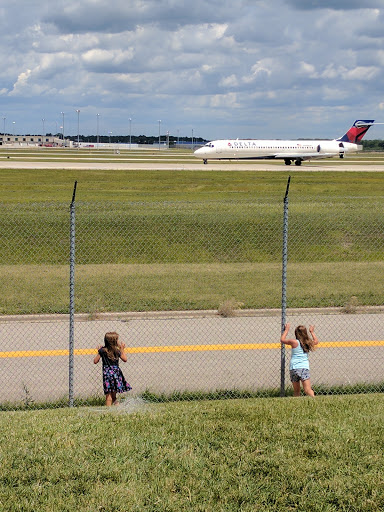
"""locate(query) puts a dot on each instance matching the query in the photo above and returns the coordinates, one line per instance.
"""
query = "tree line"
(373, 145)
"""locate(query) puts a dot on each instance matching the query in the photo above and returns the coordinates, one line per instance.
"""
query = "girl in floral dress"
(113, 378)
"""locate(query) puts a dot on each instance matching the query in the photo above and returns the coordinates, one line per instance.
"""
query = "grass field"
(267, 455)
(47, 185)
(187, 239)
(102, 288)
(42, 185)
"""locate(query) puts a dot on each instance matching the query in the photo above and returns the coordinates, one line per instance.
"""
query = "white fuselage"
(287, 150)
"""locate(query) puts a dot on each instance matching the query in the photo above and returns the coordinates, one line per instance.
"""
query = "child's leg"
(307, 387)
(296, 388)
(108, 399)
(113, 397)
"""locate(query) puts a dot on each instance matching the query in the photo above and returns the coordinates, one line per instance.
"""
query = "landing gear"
(288, 161)
(205, 161)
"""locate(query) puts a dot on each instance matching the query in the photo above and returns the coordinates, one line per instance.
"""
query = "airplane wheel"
(287, 162)
(205, 161)
(297, 162)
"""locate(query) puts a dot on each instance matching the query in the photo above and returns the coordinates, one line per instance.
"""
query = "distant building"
(32, 140)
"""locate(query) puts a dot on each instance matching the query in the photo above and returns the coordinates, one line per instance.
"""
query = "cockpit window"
(210, 145)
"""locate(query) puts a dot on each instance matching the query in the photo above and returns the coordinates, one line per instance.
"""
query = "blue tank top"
(299, 358)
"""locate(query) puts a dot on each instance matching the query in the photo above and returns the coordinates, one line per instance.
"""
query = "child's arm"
(285, 340)
(314, 337)
(123, 355)
(97, 357)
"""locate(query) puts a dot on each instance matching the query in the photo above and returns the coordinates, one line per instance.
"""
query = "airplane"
(288, 150)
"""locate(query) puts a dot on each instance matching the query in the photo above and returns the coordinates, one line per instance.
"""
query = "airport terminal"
(32, 140)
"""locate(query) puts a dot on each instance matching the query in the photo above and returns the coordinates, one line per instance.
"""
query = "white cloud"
(224, 100)
(362, 73)
(216, 64)
(229, 81)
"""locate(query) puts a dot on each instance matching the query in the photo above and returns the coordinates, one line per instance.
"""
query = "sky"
(208, 68)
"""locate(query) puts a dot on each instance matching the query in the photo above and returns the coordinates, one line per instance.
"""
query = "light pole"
(62, 113)
(192, 139)
(78, 128)
(159, 132)
(4, 118)
(109, 134)
(42, 136)
(13, 128)
(97, 136)
(130, 133)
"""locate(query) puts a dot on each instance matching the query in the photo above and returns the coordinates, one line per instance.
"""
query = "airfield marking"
(186, 348)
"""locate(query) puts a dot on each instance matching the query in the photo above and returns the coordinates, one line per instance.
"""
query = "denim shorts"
(299, 374)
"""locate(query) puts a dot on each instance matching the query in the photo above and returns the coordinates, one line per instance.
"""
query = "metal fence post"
(284, 288)
(72, 295)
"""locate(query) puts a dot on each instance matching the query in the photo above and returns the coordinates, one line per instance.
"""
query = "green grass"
(102, 288)
(268, 455)
(193, 232)
(187, 239)
(45, 185)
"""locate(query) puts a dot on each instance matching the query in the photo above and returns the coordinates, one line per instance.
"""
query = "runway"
(256, 166)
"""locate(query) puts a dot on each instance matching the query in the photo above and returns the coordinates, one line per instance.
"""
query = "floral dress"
(113, 378)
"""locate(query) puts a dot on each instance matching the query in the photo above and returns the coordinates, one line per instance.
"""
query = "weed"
(229, 308)
(352, 305)
(27, 400)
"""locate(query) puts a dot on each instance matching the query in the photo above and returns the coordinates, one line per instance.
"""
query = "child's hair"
(305, 340)
(112, 346)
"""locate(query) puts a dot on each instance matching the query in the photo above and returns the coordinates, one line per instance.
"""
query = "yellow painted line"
(337, 344)
(142, 350)
(186, 348)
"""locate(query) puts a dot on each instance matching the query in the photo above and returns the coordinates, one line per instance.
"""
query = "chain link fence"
(195, 292)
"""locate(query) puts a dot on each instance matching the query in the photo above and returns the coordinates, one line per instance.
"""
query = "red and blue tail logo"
(357, 131)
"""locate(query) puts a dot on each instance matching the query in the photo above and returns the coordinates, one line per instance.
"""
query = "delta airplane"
(288, 150)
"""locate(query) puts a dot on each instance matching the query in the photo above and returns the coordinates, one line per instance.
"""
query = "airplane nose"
(199, 152)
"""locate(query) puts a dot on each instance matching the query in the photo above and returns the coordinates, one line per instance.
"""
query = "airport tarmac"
(191, 166)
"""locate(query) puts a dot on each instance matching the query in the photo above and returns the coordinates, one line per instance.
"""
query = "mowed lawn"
(268, 455)
(47, 185)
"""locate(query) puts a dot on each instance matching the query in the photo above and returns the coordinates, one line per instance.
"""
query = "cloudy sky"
(222, 68)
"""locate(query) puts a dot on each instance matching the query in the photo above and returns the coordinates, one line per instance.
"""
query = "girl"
(113, 378)
(299, 365)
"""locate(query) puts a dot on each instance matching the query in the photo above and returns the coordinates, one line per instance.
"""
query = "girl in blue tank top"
(299, 364)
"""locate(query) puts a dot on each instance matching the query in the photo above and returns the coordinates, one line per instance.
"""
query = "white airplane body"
(287, 150)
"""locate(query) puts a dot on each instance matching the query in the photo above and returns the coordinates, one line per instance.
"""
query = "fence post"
(72, 295)
(284, 289)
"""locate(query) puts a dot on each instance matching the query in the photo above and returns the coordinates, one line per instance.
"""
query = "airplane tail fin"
(357, 131)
